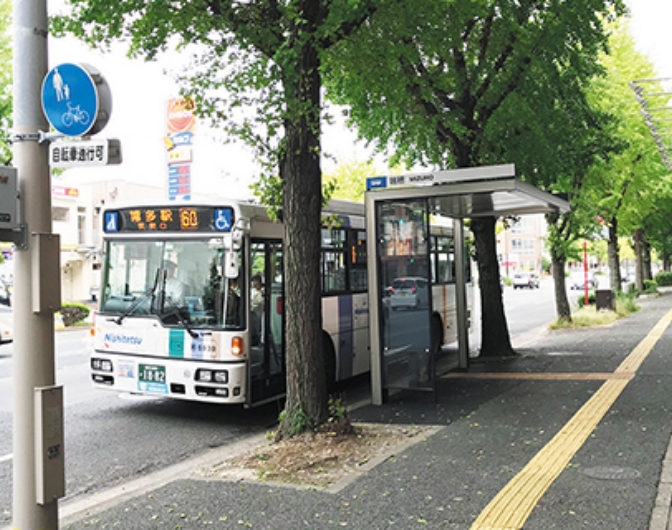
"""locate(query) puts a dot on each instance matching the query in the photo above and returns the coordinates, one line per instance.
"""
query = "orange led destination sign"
(169, 219)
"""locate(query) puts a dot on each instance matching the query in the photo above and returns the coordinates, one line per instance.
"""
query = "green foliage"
(337, 410)
(626, 303)
(546, 264)
(587, 316)
(6, 101)
(73, 313)
(664, 278)
(349, 180)
(650, 286)
(299, 421)
(581, 301)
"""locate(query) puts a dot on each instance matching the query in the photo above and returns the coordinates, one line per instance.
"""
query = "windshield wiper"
(149, 292)
(174, 311)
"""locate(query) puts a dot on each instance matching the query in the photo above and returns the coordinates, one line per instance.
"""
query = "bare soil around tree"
(324, 458)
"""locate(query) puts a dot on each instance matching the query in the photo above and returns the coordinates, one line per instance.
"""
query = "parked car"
(5, 292)
(409, 292)
(577, 279)
(525, 280)
(6, 331)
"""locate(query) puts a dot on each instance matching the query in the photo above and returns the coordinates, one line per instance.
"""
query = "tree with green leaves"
(465, 84)
(6, 100)
(627, 189)
(258, 74)
(349, 179)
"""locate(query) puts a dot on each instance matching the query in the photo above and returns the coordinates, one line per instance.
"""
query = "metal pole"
(585, 275)
(461, 294)
(33, 331)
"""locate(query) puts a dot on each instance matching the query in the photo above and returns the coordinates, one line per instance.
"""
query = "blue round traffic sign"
(71, 100)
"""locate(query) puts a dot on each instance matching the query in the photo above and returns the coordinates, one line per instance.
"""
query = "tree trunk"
(613, 257)
(666, 261)
(638, 241)
(562, 307)
(306, 403)
(495, 340)
(647, 273)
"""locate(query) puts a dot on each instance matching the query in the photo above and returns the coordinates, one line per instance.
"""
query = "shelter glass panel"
(404, 277)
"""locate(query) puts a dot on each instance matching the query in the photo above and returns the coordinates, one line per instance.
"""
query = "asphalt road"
(530, 309)
(111, 438)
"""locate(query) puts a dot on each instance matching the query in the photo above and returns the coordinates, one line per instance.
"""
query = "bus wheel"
(329, 361)
(436, 333)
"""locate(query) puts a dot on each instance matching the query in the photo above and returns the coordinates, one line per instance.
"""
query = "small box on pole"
(9, 199)
(46, 275)
(49, 457)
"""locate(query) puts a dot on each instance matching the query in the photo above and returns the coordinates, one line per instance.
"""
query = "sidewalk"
(491, 424)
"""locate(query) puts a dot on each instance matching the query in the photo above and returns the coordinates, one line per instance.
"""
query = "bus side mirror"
(231, 264)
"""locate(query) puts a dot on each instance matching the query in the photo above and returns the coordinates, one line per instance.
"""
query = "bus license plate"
(152, 378)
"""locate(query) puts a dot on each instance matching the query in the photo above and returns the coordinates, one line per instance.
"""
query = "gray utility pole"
(38, 405)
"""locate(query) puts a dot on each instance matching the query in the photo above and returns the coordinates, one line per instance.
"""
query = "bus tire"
(329, 355)
(436, 334)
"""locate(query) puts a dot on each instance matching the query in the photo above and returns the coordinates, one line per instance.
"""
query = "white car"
(6, 331)
(577, 279)
(525, 280)
(409, 292)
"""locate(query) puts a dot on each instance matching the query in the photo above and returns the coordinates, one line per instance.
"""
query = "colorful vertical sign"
(181, 123)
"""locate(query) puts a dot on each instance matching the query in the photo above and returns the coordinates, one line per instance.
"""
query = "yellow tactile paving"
(513, 504)
(546, 376)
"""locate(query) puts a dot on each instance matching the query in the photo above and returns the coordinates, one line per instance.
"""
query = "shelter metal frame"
(460, 194)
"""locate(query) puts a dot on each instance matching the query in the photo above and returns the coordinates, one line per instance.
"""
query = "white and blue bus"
(191, 304)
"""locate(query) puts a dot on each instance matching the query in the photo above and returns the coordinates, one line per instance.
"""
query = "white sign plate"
(84, 153)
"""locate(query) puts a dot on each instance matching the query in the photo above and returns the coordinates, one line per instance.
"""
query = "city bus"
(192, 296)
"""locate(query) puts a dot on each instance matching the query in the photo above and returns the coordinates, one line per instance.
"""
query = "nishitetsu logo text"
(122, 339)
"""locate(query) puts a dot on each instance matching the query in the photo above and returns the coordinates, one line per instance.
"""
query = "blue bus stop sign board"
(70, 99)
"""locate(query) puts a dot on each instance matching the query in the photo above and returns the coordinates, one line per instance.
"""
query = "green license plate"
(152, 373)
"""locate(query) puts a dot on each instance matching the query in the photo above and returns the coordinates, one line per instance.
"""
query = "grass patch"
(589, 316)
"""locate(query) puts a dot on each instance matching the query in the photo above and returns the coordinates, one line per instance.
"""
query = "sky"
(140, 92)
(651, 26)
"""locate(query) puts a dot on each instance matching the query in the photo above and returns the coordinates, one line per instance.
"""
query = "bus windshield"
(180, 281)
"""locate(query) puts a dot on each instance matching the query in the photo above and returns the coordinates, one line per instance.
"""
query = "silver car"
(525, 280)
(409, 292)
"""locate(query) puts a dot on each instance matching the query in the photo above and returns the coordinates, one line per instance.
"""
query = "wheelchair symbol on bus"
(223, 220)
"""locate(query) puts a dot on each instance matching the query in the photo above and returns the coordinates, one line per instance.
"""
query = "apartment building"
(76, 217)
(520, 248)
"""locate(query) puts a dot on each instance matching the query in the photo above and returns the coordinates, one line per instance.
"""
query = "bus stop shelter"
(405, 227)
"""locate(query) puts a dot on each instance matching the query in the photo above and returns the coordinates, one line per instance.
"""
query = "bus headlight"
(103, 365)
(204, 376)
(212, 376)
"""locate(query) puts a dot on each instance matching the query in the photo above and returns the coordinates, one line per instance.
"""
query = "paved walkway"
(573, 434)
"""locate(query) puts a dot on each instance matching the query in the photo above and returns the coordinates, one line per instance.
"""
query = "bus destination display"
(169, 219)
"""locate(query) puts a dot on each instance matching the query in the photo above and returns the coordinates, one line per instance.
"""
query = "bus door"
(404, 284)
(267, 373)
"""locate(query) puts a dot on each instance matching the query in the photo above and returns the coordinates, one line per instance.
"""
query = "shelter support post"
(374, 303)
(461, 295)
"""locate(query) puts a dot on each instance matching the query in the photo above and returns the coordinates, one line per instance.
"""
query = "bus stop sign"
(76, 99)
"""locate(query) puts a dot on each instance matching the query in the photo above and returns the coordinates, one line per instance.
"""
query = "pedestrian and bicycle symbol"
(76, 99)
(75, 115)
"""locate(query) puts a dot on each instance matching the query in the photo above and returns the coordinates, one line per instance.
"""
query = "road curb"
(77, 509)
(661, 516)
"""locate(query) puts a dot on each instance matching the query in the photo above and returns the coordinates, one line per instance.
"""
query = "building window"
(60, 214)
(523, 225)
(81, 225)
(522, 246)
